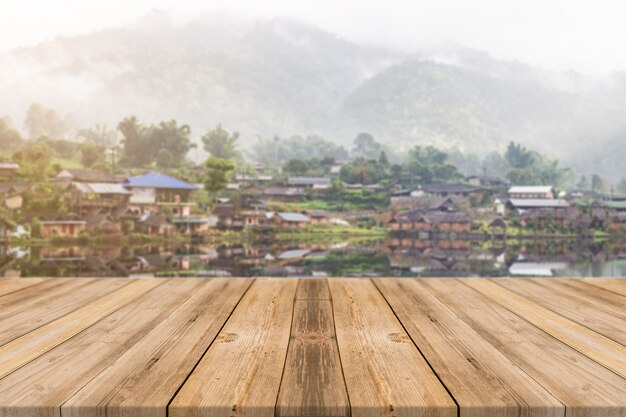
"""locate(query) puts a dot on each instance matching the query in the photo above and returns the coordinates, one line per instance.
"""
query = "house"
(227, 215)
(542, 217)
(9, 173)
(449, 190)
(62, 228)
(532, 192)
(101, 222)
(485, 181)
(497, 226)
(155, 224)
(154, 191)
(11, 195)
(617, 222)
(253, 218)
(291, 220)
(418, 221)
(521, 205)
(84, 175)
(316, 183)
(253, 179)
(195, 225)
(87, 195)
(427, 203)
(285, 193)
(317, 216)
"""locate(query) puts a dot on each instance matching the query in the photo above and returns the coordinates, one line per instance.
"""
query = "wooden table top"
(312, 347)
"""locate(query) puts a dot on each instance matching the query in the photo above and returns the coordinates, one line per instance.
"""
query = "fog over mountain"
(282, 77)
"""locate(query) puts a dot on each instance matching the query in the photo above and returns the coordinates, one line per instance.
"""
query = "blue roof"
(156, 180)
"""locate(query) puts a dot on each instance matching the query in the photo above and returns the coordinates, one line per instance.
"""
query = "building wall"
(62, 230)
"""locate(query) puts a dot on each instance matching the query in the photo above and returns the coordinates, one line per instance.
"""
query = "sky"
(587, 36)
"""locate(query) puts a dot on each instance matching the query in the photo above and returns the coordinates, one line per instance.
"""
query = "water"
(298, 258)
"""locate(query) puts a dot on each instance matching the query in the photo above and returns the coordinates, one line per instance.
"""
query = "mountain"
(284, 77)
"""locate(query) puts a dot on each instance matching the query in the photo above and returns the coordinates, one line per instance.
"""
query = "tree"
(365, 146)
(10, 139)
(599, 184)
(35, 161)
(275, 150)
(42, 121)
(99, 134)
(218, 174)
(221, 144)
(431, 165)
(382, 159)
(141, 144)
(621, 186)
(518, 156)
(164, 158)
(296, 167)
(583, 183)
(91, 153)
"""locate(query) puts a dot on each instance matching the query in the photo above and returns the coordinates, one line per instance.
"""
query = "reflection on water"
(393, 257)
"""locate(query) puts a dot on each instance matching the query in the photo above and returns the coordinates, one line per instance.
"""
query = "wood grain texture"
(313, 383)
(43, 306)
(42, 386)
(31, 345)
(585, 387)
(482, 380)
(593, 345)
(145, 378)
(9, 285)
(241, 372)
(616, 285)
(572, 304)
(599, 296)
(384, 372)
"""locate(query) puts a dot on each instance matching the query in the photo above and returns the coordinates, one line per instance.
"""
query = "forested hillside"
(284, 78)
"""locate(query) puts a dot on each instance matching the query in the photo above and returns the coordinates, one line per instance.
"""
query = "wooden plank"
(571, 304)
(482, 380)
(313, 289)
(585, 387)
(313, 383)
(31, 345)
(143, 380)
(616, 285)
(596, 295)
(45, 306)
(597, 347)
(385, 374)
(32, 294)
(42, 386)
(241, 372)
(9, 285)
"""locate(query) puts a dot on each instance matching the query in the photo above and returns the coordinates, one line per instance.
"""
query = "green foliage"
(365, 146)
(164, 159)
(42, 121)
(92, 153)
(221, 144)
(430, 165)
(621, 186)
(100, 134)
(599, 184)
(10, 139)
(35, 227)
(297, 167)
(141, 144)
(218, 174)
(35, 161)
(276, 150)
(363, 171)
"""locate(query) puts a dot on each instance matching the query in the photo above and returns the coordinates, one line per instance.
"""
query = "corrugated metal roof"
(523, 189)
(9, 166)
(101, 188)
(293, 217)
(308, 181)
(537, 202)
(157, 180)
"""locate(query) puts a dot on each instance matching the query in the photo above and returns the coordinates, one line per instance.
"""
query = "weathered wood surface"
(314, 348)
